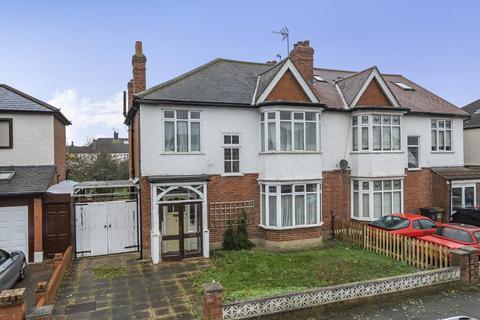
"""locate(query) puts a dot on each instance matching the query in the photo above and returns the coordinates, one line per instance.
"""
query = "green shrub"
(237, 239)
(230, 239)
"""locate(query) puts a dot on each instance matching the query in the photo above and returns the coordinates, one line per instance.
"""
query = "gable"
(373, 96)
(288, 89)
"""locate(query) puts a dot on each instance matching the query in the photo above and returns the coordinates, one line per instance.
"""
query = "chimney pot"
(138, 48)
(115, 135)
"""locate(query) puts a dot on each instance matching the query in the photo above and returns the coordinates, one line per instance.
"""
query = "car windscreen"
(454, 234)
(391, 223)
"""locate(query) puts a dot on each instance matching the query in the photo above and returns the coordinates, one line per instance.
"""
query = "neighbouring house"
(32, 158)
(471, 134)
(286, 146)
(116, 147)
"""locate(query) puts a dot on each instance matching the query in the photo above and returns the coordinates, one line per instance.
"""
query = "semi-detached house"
(285, 146)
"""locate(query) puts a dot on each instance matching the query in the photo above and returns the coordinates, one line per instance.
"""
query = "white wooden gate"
(106, 227)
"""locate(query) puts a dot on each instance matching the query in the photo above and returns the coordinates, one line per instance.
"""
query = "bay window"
(376, 132)
(441, 135)
(290, 205)
(372, 199)
(289, 131)
(181, 131)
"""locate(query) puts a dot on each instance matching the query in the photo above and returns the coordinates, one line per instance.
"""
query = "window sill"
(290, 228)
(289, 152)
(237, 174)
(414, 169)
(182, 153)
(440, 152)
(375, 152)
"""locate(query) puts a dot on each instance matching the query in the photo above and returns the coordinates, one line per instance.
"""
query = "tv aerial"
(285, 35)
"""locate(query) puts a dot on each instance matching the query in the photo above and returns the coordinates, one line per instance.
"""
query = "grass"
(108, 271)
(257, 273)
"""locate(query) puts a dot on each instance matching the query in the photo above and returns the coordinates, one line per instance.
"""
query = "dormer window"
(6, 134)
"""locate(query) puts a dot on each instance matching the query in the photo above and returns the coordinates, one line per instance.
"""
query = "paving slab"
(142, 291)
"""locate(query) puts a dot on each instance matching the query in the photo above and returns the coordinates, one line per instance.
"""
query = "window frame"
(370, 191)
(419, 167)
(189, 121)
(463, 187)
(265, 120)
(358, 128)
(232, 146)
(437, 129)
(9, 121)
(265, 195)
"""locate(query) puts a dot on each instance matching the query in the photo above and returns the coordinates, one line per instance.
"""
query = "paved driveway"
(140, 291)
(34, 274)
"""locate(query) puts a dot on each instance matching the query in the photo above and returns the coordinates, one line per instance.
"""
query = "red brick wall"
(291, 234)
(241, 188)
(417, 186)
(373, 96)
(440, 192)
(146, 203)
(288, 89)
(335, 196)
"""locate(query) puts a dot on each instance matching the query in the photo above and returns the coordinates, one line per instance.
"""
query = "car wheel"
(22, 270)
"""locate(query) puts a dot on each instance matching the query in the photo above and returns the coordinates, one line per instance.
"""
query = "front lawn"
(257, 273)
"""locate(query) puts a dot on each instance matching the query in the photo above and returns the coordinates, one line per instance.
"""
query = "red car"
(406, 224)
(454, 235)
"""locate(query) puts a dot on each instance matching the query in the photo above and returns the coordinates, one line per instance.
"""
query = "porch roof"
(458, 173)
(179, 178)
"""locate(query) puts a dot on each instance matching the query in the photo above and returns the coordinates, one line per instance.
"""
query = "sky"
(76, 54)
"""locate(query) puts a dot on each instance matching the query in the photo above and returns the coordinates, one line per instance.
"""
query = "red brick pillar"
(213, 301)
(474, 264)
(12, 304)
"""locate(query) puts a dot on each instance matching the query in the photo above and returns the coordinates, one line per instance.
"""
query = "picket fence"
(415, 252)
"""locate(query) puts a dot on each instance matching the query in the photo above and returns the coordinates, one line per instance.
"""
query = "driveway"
(135, 290)
(35, 273)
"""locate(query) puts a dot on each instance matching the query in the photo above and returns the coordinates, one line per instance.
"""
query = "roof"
(179, 178)
(105, 184)
(13, 100)
(104, 145)
(458, 173)
(474, 110)
(26, 180)
(231, 82)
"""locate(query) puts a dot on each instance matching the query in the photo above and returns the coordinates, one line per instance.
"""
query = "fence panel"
(415, 252)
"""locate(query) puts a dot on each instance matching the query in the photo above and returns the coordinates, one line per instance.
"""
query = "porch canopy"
(458, 173)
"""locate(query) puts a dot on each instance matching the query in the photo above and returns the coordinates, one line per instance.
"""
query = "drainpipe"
(140, 185)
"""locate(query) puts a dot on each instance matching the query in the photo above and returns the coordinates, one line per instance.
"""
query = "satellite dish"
(343, 164)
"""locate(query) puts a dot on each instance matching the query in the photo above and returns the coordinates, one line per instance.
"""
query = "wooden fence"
(415, 252)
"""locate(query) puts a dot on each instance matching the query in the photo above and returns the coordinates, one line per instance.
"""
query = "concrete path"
(143, 291)
(35, 273)
(433, 306)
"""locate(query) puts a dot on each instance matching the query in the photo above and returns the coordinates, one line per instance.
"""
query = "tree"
(100, 167)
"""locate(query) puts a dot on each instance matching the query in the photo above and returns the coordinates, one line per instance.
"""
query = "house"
(286, 146)
(32, 158)
(471, 134)
(117, 147)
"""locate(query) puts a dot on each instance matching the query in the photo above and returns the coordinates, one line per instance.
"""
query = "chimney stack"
(115, 135)
(302, 57)
(139, 69)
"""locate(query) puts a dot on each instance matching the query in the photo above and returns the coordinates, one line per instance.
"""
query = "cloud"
(90, 118)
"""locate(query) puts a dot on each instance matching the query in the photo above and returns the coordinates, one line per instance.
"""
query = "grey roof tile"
(351, 85)
(474, 110)
(27, 180)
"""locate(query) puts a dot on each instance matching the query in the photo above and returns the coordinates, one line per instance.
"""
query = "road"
(449, 303)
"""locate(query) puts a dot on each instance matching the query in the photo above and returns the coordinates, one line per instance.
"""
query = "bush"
(237, 239)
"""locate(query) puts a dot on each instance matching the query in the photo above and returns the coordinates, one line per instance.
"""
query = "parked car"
(454, 235)
(407, 224)
(467, 216)
(12, 268)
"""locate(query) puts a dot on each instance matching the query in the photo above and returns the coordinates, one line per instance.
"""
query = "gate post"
(213, 301)
(12, 304)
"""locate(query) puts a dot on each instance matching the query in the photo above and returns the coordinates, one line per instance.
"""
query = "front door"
(181, 225)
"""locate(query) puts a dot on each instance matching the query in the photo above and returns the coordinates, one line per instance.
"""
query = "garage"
(14, 229)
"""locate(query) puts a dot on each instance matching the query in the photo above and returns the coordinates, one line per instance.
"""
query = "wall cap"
(212, 287)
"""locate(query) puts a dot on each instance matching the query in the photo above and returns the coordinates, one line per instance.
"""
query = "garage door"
(14, 229)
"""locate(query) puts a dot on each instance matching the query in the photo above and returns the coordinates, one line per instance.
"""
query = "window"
(182, 131)
(463, 197)
(291, 205)
(455, 234)
(427, 224)
(441, 135)
(4, 256)
(6, 175)
(376, 198)
(376, 132)
(413, 149)
(295, 131)
(231, 153)
(404, 86)
(6, 134)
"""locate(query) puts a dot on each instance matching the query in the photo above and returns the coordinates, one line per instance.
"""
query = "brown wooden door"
(181, 226)
(57, 228)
